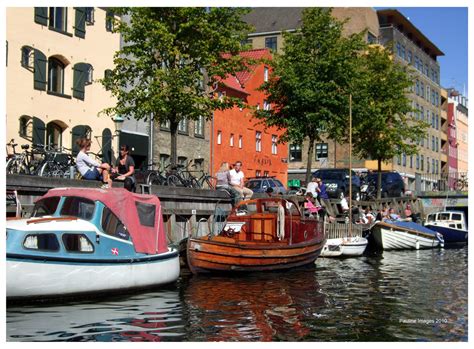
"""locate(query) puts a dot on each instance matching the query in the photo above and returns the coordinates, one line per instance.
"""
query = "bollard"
(72, 172)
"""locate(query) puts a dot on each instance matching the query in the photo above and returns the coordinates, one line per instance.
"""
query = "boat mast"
(350, 164)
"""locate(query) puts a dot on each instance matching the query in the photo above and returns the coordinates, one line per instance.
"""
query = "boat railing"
(341, 230)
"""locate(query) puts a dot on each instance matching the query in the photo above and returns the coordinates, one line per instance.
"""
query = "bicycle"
(461, 183)
(206, 181)
(156, 177)
(22, 163)
(57, 164)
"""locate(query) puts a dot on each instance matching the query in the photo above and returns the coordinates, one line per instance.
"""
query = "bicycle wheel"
(12, 166)
(173, 181)
(194, 183)
(154, 178)
(209, 182)
(46, 170)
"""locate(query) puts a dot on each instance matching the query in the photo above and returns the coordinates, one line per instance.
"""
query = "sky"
(447, 28)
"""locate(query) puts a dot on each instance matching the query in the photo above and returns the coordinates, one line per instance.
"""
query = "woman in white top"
(88, 167)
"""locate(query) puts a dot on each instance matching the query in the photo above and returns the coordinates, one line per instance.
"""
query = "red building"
(236, 135)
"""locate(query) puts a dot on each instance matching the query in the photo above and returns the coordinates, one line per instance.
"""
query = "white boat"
(405, 235)
(88, 241)
(345, 247)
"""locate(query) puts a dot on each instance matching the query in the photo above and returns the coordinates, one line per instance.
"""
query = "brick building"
(236, 135)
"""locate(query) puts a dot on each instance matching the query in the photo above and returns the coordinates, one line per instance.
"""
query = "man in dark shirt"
(322, 189)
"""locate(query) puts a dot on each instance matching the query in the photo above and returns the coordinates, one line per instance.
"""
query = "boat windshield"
(443, 217)
(46, 207)
(456, 217)
(78, 207)
(431, 218)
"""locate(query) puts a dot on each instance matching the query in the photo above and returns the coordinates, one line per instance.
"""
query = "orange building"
(236, 135)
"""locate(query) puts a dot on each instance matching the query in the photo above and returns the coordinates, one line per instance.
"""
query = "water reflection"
(152, 316)
(263, 307)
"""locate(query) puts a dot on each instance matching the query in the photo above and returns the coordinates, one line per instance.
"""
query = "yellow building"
(55, 55)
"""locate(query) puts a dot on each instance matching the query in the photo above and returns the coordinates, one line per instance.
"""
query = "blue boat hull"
(450, 235)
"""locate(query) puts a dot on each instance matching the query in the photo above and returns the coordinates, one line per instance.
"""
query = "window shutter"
(39, 131)
(40, 70)
(41, 15)
(78, 131)
(80, 24)
(80, 74)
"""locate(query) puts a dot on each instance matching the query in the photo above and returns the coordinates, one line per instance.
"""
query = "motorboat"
(451, 224)
(88, 241)
(399, 235)
(344, 240)
(259, 235)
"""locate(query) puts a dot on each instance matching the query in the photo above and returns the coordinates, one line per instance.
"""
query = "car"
(337, 182)
(261, 185)
(392, 183)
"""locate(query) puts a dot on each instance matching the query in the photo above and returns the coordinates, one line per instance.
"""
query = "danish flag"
(114, 251)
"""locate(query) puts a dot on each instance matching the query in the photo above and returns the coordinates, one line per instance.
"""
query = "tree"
(308, 87)
(172, 61)
(384, 124)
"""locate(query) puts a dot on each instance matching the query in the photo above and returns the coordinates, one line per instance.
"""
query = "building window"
(411, 161)
(266, 105)
(109, 21)
(199, 126)
(409, 57)
(183, 126)
(399, 49)
(89, 15)
(404, 159)
(54, 135)
(265, 74)
(271, 43)
(26, 127)
(258, 141)
(240, 142)
(265, 174)
(417, 162)
(417, 90)
(427, 164)
(371, 38)
(295, 152)
(422, 162)
(27, 55)
(164, 161)
(403, 52)
(231, 140)
(399, 159)
(165, 125)
(55, 76)
(274, 144)
(58, 18)
(422, 90)
(257, 173)
(219, 137)
(321, 151)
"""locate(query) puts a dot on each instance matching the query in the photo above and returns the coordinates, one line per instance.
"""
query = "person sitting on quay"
(322, 193)
(311, 209)
(313, 187)
(223, 183)
(88, 167)
(125, 168)
(237, 181)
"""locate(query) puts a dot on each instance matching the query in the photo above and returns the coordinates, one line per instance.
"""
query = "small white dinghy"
(345, 247)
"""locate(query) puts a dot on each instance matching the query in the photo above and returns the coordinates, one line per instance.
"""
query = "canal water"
(393, 296)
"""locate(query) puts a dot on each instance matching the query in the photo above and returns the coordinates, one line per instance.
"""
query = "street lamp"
(118, 122)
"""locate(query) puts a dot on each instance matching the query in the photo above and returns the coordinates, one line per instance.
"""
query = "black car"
(261, 184)
(337, 182)
(392, 183)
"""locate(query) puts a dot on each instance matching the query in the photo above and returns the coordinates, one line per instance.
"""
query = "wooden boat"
(395, 235)
(261, 234)
(83, 240)
(451, 224)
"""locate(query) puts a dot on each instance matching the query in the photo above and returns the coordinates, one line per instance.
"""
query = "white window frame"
(258, 141)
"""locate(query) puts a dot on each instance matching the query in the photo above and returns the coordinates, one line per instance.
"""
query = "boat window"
(46, 207)
(78, 207)
(452, 225)
(459, 226)
(77, 243)
(292, 209)
(456, 217)
(430, 218)
(113, 226)
(443, 217)
(43, 242)
(146, 214)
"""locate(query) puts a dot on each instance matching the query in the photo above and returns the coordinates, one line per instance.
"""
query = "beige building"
(55, 56)
(460, 111)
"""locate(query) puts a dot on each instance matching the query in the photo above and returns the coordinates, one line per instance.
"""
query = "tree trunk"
(379, 178)
(174, 143)
(310, 161)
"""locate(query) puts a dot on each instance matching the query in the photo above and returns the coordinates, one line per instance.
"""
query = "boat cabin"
(269, 220)
(448, 219)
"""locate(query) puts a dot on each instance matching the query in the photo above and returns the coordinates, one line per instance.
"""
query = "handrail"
(48, 219)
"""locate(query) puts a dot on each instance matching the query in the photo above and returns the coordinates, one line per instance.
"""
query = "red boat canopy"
(141, 214)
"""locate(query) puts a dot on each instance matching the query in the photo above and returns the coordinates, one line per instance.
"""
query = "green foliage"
(311, 80)
(383, 122)
(172, 61)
